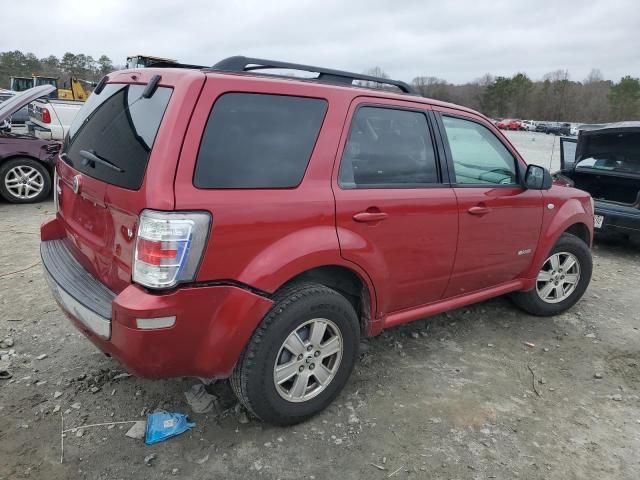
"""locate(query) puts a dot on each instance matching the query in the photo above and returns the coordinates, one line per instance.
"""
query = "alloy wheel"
(558, 277)
(24, 182)
(308, 360)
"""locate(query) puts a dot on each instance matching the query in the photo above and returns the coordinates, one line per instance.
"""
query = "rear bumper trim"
(76, 290)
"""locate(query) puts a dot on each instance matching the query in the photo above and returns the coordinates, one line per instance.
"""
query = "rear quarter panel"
(264, 237)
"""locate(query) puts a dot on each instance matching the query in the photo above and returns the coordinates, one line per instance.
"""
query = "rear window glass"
(258, 141)
(119, 127)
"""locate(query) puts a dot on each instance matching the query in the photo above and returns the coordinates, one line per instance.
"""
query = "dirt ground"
(477, 393)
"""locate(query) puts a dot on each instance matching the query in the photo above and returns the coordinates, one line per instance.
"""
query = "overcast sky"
(456, 40)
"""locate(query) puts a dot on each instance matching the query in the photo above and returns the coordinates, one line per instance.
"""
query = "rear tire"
(275, 378)
(24, 180)
(569, 259)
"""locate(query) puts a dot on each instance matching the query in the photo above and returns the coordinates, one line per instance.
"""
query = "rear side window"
(388, 148)
(119, 127)
(258, 141)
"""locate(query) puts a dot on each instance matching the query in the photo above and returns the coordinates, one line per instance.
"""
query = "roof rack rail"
(163, 64)
(249, 64)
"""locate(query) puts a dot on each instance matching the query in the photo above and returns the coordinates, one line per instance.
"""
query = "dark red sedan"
(26, 162)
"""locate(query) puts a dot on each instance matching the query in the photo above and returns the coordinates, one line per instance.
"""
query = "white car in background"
(51, 119)
(529, 125)
(575, 129)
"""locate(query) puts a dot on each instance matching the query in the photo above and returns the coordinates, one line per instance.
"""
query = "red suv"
(224, 222)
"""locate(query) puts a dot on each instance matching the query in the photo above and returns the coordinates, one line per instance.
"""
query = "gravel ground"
(481, 392)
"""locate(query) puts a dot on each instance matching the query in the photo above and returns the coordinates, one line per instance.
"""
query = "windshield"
(112, 135)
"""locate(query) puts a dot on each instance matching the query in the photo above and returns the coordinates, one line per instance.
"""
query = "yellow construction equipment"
(76, 92)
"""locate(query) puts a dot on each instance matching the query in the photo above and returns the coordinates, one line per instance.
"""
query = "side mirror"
(537, 178)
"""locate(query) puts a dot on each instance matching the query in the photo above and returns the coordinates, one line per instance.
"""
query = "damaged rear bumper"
(212, 324)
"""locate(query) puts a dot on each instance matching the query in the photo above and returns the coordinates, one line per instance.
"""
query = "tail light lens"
(169, 247)
(46, 116)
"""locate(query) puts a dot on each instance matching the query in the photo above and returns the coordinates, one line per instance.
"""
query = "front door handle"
(368, 217)
(479, 210)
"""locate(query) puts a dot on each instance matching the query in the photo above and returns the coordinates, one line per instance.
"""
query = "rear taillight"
(169, 247)
(46, 116)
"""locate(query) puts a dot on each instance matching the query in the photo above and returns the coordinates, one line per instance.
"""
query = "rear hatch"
(119, 158)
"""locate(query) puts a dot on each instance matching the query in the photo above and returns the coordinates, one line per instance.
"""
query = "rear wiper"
(92, 157)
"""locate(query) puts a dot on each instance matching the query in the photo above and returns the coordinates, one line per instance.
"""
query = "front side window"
(258, 141)
(478, 156)
(388, 148)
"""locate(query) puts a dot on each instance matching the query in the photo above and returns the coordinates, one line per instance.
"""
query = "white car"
(529, 125)
(51, 119)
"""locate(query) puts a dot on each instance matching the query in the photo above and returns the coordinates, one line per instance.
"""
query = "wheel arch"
(14, 156)
(354, 285)
(581, 231)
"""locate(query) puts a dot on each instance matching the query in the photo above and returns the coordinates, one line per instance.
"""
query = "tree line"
(555, 97)
(85, 67)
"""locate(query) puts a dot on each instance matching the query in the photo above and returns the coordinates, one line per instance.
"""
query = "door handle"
(479, 210)
(366, 217)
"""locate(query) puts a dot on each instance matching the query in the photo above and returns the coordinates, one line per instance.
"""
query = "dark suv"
(224, 222)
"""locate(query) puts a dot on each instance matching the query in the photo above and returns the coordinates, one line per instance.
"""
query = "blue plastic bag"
(163, 425)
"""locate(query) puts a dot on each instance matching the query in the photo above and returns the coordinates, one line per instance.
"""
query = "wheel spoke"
(300, 385)
(317, 332)
(555, 262)
(571, 278)
(569, 262)
(322, 374)
(286, 371)
(544, 276)
(330, 347)
(559, 289)
(546, 290)
(294, 344)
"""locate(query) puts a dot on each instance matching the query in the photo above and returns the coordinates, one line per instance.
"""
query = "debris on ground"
(121, 375)
(149, 458)
(199, 399)
(5, 374)
(42, 357)
(164, 425)
(137, 430)
(530, 344)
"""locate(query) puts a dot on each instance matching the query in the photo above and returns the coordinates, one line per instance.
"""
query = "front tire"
(562, 280)
(300, 357)
(24, 180)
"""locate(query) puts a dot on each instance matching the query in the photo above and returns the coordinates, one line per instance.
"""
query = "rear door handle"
(479, 210)
(366, 217)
